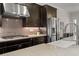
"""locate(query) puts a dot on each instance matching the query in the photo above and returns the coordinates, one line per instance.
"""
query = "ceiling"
(70, 7)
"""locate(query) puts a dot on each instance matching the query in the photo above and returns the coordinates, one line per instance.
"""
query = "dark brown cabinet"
(0, 21)
(1, 11)
(37, 16)
(2, 47)
(14, 45)
(0, 8)
(1, 50)
(22, 43)
(51, 11)
(34, 19)
(43, 16)
(24, 22)
(10, 48)
(25, 44)
(38, 40)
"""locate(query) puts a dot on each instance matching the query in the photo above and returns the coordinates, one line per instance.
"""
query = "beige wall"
(75, 15)
(63, 16)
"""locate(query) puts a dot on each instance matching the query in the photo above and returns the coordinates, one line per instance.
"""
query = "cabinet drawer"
(10, 48)
(38, 40)
(17, 42)
(24, 45)
(3, 44)
(1, 50)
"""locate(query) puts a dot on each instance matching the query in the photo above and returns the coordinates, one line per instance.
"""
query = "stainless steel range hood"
(15, 10)
(10, 9)
(23, 11)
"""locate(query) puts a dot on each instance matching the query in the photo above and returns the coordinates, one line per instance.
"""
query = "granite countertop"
(18, 38)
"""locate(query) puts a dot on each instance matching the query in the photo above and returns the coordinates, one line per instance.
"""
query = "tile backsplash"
(14, 27)
(33, 30)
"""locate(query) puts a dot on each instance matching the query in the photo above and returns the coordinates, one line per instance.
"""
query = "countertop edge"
(31, 36)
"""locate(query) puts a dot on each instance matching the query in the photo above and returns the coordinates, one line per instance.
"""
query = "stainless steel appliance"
(14, 9)
(53, 29)
(10, 9)
(23, 11)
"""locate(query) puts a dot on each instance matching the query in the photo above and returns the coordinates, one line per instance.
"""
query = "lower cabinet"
(19, 44)
(15, 45)
(38, 40)
(2, 47)
(10, 48)
(1, 50)
(24, 45)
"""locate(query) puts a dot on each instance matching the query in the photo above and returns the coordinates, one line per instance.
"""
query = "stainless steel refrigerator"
(52, 29)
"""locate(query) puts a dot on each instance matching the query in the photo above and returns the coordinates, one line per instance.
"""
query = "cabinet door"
(34, 19)
(0, 21)
(38, 40)
(24, 45)
(24, 23)
(2, 47)
(1, 50)
(43, 16)
(10, 48)
(17, 44)
(51, 11)
(0, 9)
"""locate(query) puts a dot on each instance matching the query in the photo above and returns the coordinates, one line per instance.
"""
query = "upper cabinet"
(51, 11)
(0, 15)
(46, 12)
(43, 16)
(38, 15)
(0, 9)
(34, 19)
(0, 21)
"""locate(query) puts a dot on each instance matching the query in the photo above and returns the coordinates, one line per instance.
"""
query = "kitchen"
(16, 27)
(25, 29)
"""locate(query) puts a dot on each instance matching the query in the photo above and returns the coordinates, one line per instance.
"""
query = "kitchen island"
(45, 50)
